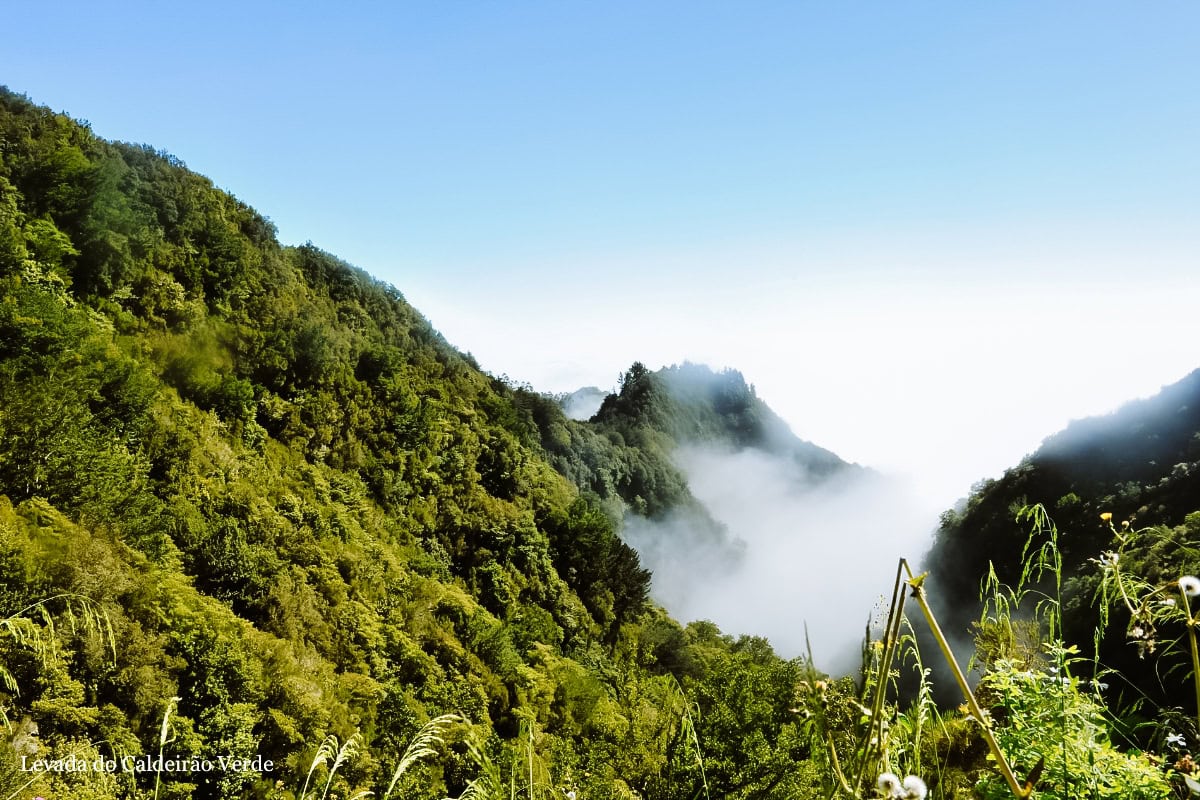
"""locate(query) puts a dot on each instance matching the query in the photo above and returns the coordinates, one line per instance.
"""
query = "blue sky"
(931, 233)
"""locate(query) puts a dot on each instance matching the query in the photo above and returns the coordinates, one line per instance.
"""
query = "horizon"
(929, 237)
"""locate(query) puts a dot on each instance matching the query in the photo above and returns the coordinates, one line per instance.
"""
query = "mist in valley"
(820, 553)
(581, 404)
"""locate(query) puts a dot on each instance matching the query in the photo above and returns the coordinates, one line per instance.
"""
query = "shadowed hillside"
(1139, 464)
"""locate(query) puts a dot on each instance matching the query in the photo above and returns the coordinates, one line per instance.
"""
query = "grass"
(426, 744)
(33, 628)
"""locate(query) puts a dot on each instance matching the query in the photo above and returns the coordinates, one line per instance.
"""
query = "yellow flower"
(1106, 516)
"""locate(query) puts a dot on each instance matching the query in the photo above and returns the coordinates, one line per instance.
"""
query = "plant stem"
(919, 595)
(843, 784)
(1191, 630)
(873, 746)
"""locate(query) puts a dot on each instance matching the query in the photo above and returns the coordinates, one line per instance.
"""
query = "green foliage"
(591, 557)
(1046, 724)
(1045, 717)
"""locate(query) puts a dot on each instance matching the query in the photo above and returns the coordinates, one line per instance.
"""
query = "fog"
(582, 404)
(815, 553)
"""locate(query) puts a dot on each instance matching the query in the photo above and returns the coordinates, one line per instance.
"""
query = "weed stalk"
(918, 592)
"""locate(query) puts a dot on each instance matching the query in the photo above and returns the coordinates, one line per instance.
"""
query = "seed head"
(915, 788)
(1190, 585)
(889, 784)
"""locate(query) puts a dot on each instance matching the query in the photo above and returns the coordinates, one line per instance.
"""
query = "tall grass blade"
(423, 745)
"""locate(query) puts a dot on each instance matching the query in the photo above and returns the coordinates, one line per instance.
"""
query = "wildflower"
(1176, 739)
(571, 795)
(889, 784)
(1106, 516)
(915, 788)
(1190, 585)
(1136, 632)
(1170, 601)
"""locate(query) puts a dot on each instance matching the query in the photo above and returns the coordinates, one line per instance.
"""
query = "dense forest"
(253, 506)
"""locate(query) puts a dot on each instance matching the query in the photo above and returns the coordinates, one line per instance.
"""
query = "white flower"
(1176, 740)
(1170, 601)
(889, 784)
(1190, 585)
(914, 788)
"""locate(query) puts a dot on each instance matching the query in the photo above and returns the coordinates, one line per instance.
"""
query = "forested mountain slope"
(625, 450)
(280, 497)
(1139, 464)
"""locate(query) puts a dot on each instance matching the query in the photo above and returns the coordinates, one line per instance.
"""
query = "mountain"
(251, 499)
(624, 451)
(694, 405)
(1139, 464)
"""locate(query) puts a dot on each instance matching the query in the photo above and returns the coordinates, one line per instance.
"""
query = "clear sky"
(930, 233)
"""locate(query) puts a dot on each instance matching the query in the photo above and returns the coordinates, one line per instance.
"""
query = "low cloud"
(582, 404)
(821, 553)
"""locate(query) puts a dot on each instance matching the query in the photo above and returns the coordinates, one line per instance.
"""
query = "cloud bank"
(821, 554)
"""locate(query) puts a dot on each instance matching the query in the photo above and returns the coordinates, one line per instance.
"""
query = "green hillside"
(287, 502)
